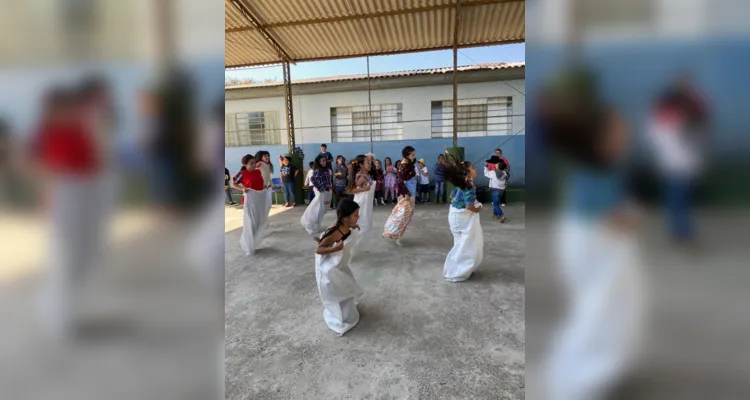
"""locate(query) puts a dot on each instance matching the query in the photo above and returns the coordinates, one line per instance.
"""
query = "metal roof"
(414, 72)
(261, 32)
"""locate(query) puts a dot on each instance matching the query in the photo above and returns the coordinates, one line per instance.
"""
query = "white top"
(424, 177)
(495, 182)
(265, 171)
(675, 152)
(308, 178)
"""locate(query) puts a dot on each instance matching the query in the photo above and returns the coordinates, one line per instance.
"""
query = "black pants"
(502, 199)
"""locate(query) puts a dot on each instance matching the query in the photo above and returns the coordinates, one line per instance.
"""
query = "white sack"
(254, 220)
(338, 288)
(601, 274)
(365, 201)
(468, 245)
(75, 242)
(313, 217)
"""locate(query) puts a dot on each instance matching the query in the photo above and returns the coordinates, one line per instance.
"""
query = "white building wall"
(666, 20)
(312, 112)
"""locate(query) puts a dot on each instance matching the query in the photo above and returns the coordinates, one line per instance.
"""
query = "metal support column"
(289, 108)
(456, 23)
(369, 101)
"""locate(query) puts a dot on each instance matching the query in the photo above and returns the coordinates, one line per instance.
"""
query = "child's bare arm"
(326, 245)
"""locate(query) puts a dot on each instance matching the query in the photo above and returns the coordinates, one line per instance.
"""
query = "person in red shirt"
(251, 177)
(64, 145)
(255, 208)
(68, 157)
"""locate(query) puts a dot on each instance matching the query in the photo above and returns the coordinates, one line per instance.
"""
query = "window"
(252, 129)
(357, 123)
(476, 117)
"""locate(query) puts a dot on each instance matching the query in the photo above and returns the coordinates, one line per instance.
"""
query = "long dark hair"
(259, 157)
(456, 173)
(354, 167)
(246, 159)
(385, 162)
(317, 162)
(406, 151)
(346, 208)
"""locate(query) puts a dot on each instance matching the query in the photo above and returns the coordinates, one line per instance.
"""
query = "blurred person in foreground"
(677, 132)
(5, 164)
(595, 245)
(70, 165)
(99, 116)
(180, 181)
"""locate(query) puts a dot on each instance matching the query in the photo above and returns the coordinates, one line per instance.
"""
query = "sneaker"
(502, 219)
(494, 216)
(286, 204)
(502, 205)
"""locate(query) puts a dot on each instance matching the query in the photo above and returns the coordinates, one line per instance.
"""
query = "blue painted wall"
(475, 149)
(632, 74)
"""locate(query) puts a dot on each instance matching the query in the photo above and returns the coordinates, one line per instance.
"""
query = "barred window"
(357, 123)
(476, 117)
(252, 129)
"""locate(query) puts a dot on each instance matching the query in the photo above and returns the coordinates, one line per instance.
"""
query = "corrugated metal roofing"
(325, 29)
(340, 78)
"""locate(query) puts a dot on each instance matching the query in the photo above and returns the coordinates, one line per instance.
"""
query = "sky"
(389, 63)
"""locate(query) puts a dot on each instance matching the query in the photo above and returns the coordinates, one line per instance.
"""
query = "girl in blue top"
(463, 218)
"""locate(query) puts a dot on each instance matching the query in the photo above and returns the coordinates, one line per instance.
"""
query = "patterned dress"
(396, 224)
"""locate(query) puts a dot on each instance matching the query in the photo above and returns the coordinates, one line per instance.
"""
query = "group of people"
(356, 190)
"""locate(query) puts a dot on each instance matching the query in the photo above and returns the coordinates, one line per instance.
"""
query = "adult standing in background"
(499, 154)
(327, 155)
(324, 153)
(677, 132)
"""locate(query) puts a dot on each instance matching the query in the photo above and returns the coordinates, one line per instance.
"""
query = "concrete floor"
(419, 337)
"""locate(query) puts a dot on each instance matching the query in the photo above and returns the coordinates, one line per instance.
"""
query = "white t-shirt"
(308, 178)
(424, 179)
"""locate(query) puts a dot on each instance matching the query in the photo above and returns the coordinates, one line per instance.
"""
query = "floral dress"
(401, 215)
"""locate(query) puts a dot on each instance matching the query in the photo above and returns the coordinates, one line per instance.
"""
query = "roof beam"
(258, 26)
(464, 4)
(382, 53)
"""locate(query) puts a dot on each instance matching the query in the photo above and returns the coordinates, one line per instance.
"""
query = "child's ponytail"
(456, 172)
(354, 167)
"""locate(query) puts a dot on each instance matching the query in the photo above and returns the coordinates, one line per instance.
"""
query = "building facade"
(639, 46)
(402, 108)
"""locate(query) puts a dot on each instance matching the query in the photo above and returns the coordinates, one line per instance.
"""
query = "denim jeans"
(439, 190)
(228, 191)
(678, 199)
(289, 192)
(496, 196)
